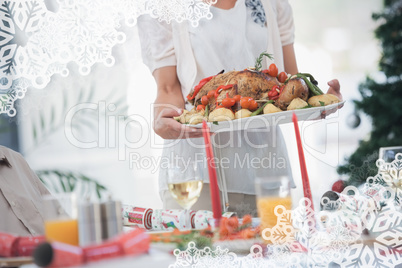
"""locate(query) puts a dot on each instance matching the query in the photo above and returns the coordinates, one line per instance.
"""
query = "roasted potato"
(221, 114)
(181, 118)
(323, 100)
(270, 108)
(243, 113)
(188, 116)
(196, 119)
(297, 104)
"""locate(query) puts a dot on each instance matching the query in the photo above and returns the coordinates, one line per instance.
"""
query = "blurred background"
(97, 127)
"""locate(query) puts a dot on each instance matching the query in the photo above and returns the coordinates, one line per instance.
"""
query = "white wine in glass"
(185, 180)
(186, 193)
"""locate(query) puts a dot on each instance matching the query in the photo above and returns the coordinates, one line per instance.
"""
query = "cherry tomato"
(228, 102)
(282, 77)
(273, 70)
(253, 105)
(204, 100)
(237, 98)
(211, 94)
(245, 102)
(219, 106)
(200, 107)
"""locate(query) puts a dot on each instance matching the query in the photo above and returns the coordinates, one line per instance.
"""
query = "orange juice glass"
(273, 196)
(61, 222)
(266, 209)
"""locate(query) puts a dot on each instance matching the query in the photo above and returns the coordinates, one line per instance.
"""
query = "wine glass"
(185, 181)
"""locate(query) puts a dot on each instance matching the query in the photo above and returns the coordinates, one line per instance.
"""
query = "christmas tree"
(382, 101)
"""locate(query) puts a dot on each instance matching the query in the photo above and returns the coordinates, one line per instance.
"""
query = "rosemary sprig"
(258, 61)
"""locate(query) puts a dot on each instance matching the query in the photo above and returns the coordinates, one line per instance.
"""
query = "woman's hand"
(168, 128)
(168, 104)
(335, 88)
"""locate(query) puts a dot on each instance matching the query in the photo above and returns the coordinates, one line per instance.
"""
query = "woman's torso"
(231, 40)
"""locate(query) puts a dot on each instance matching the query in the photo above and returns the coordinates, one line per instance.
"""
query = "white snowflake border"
(302, 239)
(38, 41)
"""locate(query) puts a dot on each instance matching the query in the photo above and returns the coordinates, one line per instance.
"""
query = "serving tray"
(268, 120)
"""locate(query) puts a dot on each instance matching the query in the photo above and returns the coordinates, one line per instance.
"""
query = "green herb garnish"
(307, 106)
(258, 61)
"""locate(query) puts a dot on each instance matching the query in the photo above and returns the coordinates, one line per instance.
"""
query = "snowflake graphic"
(36, 43)
(188, 10)
(18, 21)
(283, 231)
(361, 228)
(366, 169)
(384, 247)
(193, 257)
(218, 257)
(389, 176)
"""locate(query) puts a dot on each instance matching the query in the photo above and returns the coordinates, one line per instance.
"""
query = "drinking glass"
(185, 181)
(61, 222)
(388, 153)
(271, 192)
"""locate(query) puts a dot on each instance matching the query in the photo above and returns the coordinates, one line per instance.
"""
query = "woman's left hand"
(335, 88)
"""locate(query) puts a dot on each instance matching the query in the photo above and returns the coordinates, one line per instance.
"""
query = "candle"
(213, 183)
(302, 161)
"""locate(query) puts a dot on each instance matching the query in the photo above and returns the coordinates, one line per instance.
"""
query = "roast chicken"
(252, 84)
(266, 93)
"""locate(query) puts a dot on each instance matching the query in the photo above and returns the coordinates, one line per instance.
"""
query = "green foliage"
(390, 35)
(381, 101)
(200, 241)
(66, 181)
(258, 61)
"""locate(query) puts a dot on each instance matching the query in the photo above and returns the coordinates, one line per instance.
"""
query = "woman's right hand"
(168, 128)
(168, 104)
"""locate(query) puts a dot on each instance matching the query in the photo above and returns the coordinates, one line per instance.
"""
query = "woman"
(180, 55)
